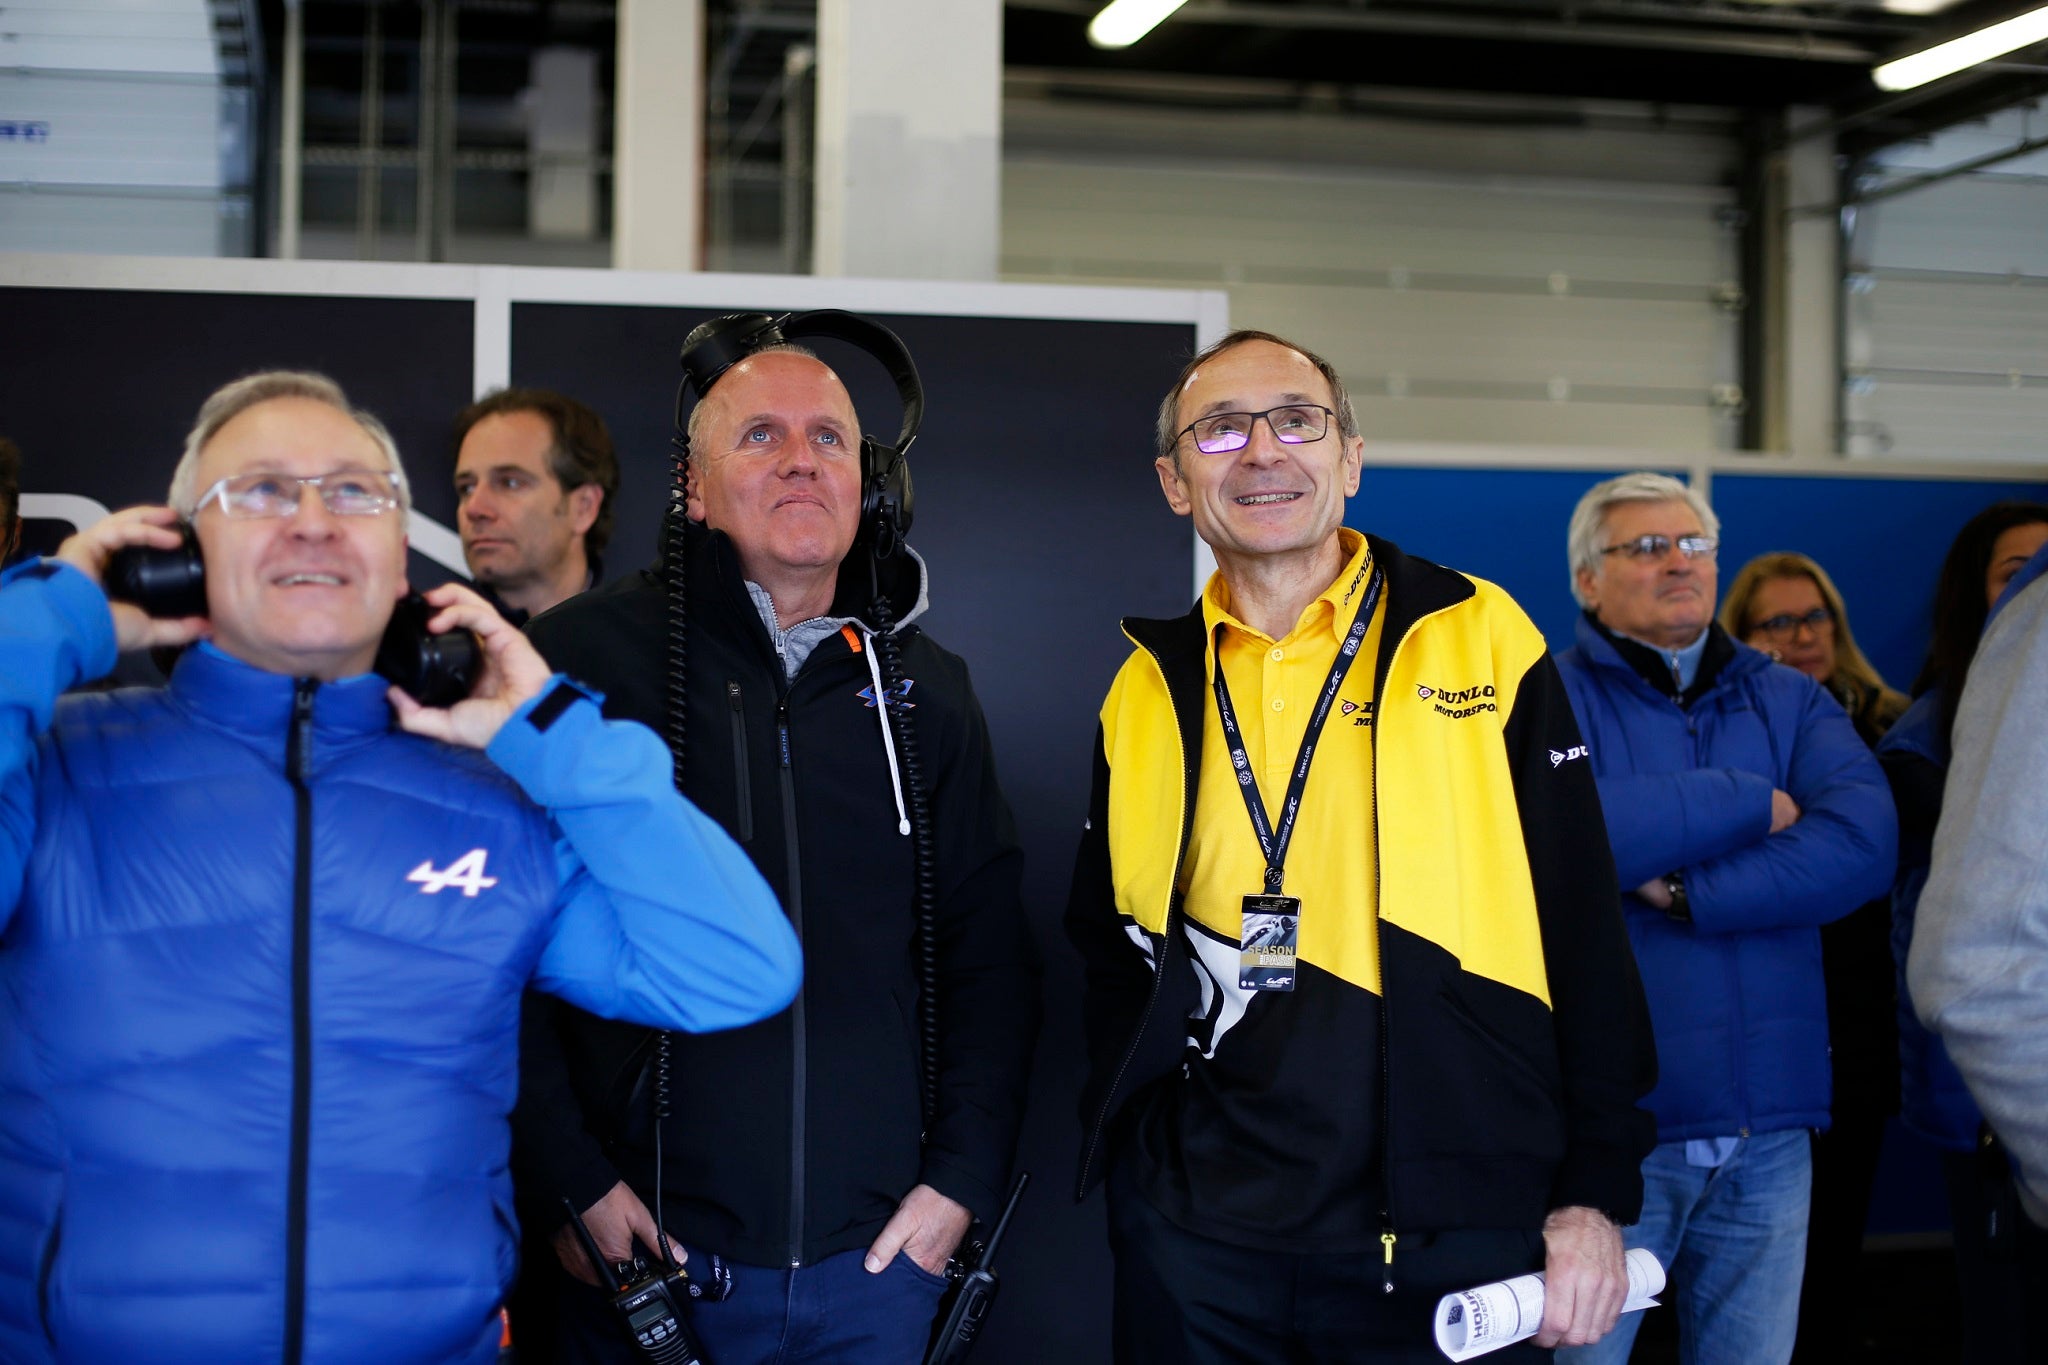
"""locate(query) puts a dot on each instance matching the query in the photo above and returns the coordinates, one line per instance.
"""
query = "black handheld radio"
(973, 1293)
(649, 1304)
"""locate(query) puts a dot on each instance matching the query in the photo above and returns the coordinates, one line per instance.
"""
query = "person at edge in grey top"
(1979, 958)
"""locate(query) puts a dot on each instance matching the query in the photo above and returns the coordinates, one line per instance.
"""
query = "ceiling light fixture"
(1123, 22)
(1945, 59)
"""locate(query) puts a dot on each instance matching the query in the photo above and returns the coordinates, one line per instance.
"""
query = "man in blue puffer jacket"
(262, 949)
(1744, 813)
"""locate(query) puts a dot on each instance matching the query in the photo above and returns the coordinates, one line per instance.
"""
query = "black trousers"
(1185, 1299)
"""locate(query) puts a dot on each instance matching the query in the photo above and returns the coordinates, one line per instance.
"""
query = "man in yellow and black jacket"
(1363, 1022)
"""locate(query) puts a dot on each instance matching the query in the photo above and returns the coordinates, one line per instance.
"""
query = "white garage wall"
(1473, 281)
(1946, 311)
(110, 127)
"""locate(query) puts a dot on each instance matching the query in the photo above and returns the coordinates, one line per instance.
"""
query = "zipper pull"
(1387, 1271)
(732, 693)
(782, 729)
(299, 743)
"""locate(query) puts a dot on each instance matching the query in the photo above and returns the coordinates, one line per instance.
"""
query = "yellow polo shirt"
(1274, 685)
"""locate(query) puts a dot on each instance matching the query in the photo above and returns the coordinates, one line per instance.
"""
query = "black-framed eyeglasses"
(1786, 624)
(346, 492)
(1656, 547)
(1292, 424)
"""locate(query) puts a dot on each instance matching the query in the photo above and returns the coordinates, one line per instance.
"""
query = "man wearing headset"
(263, 931)
(792, 1148)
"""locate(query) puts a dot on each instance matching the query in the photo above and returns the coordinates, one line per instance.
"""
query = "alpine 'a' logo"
(899, 696)
(466, 872)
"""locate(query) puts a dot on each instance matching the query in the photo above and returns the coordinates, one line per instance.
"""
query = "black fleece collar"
(1415, 588)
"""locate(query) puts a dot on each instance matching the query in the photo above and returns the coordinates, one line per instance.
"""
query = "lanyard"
(1274, 843)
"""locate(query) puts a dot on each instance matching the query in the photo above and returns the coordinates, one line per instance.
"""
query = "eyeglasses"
(1222, 432)
(346, 493)
(1785, 624)
(1656, 547)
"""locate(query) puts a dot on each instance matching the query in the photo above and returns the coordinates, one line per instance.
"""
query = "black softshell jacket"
(793, 1139)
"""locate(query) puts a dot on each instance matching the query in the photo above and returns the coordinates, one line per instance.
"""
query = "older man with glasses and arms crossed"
(1332, 1085)
(263, 932)
(1744, 813)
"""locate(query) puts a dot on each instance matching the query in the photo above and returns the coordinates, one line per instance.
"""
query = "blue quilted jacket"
(1736, 997)
(261, 957)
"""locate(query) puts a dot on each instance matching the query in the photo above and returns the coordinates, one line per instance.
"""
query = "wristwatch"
(1680, 908)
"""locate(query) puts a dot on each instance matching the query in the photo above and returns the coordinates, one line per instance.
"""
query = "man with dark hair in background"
(797, 1148)
(534, 481)
(10, 498)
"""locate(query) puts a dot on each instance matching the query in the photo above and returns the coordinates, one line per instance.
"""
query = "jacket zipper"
(1727, 950)
(798, 1065)
(1160, 952)
(1379, 928)
(299, 769)
(743, 788)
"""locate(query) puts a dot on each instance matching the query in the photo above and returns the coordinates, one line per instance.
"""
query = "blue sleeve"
(1841, 852)
(1661, 822)
(55, 633)
(661, 919)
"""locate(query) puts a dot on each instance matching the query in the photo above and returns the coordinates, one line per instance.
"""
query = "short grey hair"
(1589, 518)
(1167, 435)
(230, 401)
(695, 426)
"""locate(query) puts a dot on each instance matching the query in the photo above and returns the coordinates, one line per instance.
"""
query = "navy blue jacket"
(261, 957)
(1933, 1101)
(1736, 997)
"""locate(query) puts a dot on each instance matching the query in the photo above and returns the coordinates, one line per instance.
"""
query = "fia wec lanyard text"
(1274, 842)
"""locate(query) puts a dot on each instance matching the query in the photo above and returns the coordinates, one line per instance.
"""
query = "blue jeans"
(1733, 1242)
(833, 1311)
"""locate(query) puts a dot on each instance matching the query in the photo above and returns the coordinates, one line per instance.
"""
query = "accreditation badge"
(1265, 959)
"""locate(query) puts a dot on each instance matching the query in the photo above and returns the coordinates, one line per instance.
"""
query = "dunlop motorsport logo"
(1359, 711)
(1460, 702)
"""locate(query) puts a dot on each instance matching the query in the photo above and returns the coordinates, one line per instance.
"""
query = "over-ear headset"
(886, 498)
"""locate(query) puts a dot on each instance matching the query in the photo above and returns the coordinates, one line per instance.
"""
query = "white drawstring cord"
(888, 739)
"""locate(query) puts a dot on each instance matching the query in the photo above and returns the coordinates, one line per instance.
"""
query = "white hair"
(230, 401)
(1589, 518)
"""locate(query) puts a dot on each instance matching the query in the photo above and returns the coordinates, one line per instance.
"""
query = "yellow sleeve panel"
(1146, 793)
(1453, 866)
